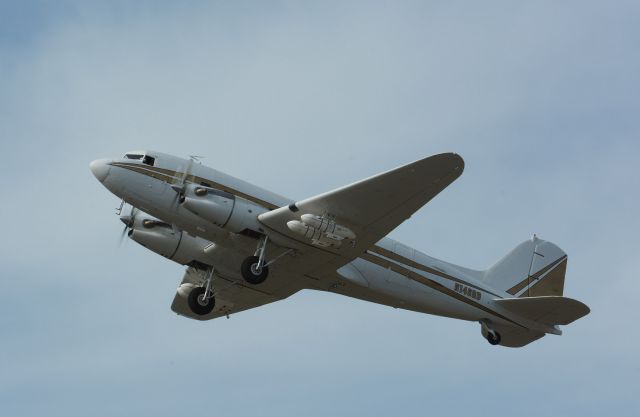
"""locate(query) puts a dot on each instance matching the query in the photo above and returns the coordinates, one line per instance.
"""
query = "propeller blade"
(187, 171)
(178, 187)
(128, 221)
(122, 235)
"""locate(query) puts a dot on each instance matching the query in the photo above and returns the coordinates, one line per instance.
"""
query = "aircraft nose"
(100, 168)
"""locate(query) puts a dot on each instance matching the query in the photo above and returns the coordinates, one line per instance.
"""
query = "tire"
(494, 338)
(249, 273)
(196, 304)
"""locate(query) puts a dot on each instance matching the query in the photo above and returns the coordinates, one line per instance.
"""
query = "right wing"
(231, 296)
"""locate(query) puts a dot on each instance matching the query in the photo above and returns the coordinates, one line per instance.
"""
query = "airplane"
(245, 246)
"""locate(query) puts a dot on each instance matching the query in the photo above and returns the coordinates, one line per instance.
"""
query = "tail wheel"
(251, 272)
(200, 302)
(493, 338)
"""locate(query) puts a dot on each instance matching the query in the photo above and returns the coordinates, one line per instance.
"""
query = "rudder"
(534, 268)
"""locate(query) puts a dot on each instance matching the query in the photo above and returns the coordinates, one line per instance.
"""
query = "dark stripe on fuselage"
(406, 261)
(171, 177)
(140, 169)
(432, 284)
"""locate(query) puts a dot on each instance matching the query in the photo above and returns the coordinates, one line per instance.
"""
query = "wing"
(231, 296)
(370, 209)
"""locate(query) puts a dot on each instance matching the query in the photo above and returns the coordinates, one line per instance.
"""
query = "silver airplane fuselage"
(389, 273)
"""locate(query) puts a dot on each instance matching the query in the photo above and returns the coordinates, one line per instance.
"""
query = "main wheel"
(199, 303)
(493, 338)
(250, 271)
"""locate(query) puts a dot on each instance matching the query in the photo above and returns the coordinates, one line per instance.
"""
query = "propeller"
(178, 187)
(128, 221)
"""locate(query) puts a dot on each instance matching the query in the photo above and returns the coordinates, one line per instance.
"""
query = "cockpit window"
(146, 159)
(149, 160)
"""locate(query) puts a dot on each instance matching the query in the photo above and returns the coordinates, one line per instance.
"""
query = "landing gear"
(255, 269)
(252, 271)
(493, 338)
(201, 303)
(488, 333)
(201, 299)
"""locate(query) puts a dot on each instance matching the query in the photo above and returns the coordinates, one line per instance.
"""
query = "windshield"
(146, 159)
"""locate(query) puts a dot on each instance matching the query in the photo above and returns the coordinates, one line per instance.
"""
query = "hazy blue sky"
(540, 98)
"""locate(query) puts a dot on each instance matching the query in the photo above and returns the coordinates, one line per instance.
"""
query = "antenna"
(196, 158)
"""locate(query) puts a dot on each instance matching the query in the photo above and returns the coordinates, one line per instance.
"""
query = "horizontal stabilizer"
(547, 309)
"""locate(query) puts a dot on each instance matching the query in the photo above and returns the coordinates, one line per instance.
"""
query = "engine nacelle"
(223, 209)
(322, 231)
(162, 239)
(329, 227)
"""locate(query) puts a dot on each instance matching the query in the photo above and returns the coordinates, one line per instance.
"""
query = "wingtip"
(459, 159)
(450, 162)
(453, 156)
(455, 159)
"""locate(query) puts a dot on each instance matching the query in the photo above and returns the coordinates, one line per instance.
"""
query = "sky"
(539, 98)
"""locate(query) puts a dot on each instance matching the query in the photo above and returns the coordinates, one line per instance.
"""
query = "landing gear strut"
(201, 299)
(255, 269)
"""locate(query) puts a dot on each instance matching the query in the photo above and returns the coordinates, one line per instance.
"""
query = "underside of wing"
(345, 222)
(230, 296)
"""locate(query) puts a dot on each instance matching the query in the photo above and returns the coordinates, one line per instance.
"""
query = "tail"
(534, 268)
(531, 277)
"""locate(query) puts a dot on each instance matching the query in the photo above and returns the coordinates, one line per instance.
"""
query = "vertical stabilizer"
(534, 268)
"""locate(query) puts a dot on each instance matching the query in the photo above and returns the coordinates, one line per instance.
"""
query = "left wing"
(231, 296)
(365, 212)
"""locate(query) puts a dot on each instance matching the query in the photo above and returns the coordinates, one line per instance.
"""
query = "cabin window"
(149, 160)
(133, 156)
